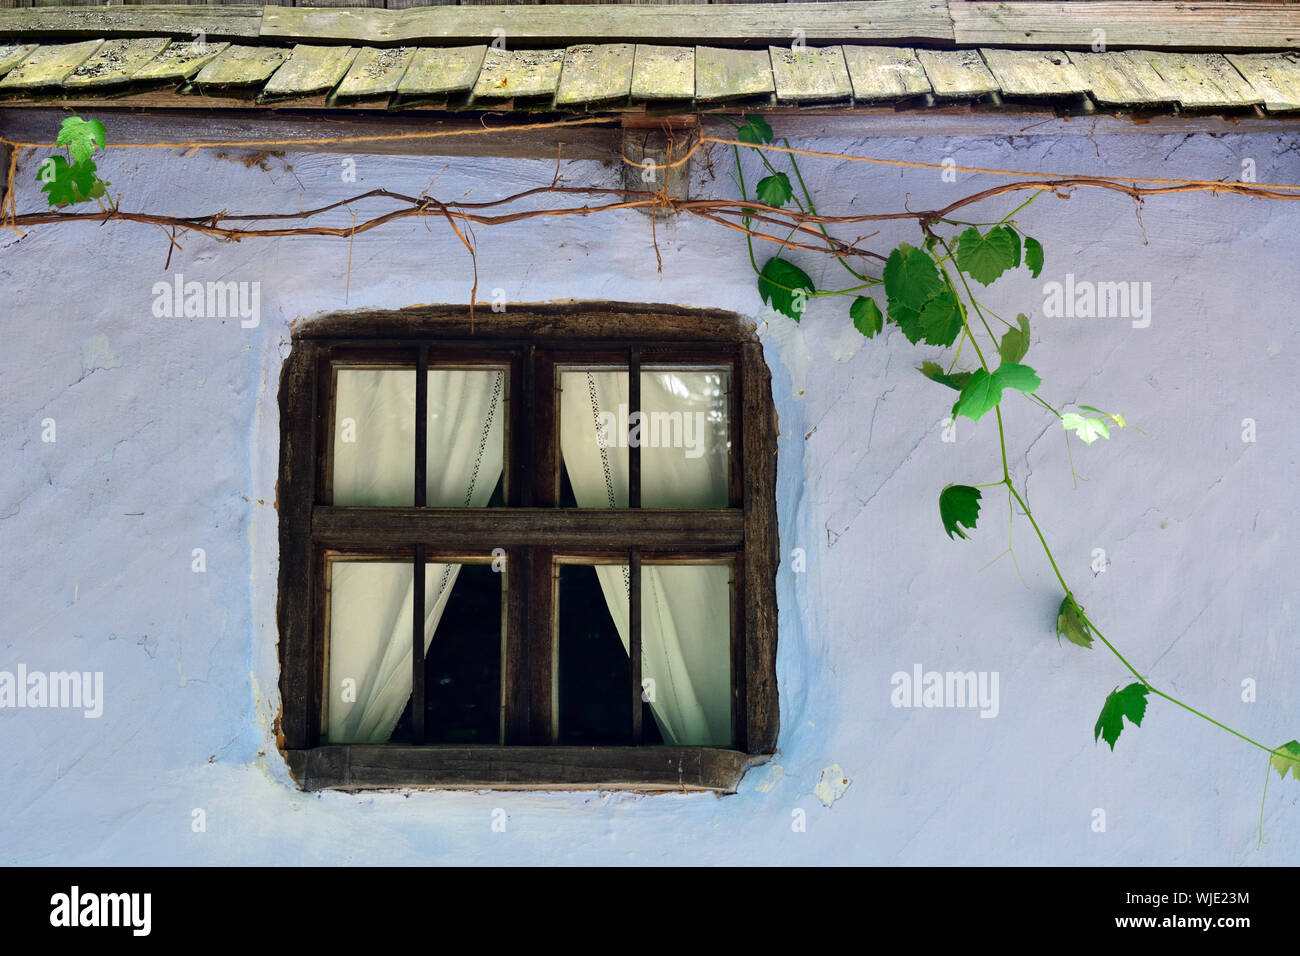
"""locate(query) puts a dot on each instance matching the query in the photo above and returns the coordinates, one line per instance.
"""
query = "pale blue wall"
(177, 419)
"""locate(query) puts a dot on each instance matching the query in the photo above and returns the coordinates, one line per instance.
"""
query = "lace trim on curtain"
(478, 462)
(604, 462)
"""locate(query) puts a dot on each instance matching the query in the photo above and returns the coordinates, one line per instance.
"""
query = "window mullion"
(634, 641)
(635, 429)
(417, 648)
(546, 428)
(421, 426)
(541, 646)
(417, 590)
(515, 664)
(523, 445)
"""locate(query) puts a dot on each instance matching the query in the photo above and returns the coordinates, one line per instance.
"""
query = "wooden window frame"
(533, 531)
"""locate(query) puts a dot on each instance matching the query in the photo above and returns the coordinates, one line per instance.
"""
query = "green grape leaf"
(774, 190)
(1015, 342)
(83, 177)
(907, 319)
(1088, 429)
(866, 316)
(1131, 702)
(1020, 377)
(1116, 418)
(912, 280)
(986, 257)
(978, 395)
(1290, 762)
(777, 284)
(984, 390)
(65, 184)
(755, 130)
(81, 137)
(959, 504)
(941, 318)
(56, 176)
(1033, 256)
(1071, 626)
(911, 277)
(935, 373)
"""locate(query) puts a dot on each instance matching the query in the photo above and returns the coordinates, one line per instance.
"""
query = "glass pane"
(374, 437)
(462, 665)
(466, 438)
(686, 651)
(368, 681)
(594, 437)
(594, 673)
(685, 655)
(685, 437)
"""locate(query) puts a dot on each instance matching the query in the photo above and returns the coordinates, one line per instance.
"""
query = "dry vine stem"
(733, 214)
(711, 209)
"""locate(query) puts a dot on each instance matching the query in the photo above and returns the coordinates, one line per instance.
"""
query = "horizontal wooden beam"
(1072, 24)
(367, 766)
(964, 121)
(215, 22)
(482, 529)
(240, 124)
(38, 123)
(580, 322)
(1118, 24)
(565, 24)
(1076, 25)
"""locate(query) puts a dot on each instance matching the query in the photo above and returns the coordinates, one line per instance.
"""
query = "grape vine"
(928, 296)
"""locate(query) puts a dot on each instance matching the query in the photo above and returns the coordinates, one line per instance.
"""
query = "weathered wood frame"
(534, 531)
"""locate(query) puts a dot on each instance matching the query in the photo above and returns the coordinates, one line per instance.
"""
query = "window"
(535, 550)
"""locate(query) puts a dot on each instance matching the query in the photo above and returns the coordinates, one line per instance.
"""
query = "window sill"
(393, 767)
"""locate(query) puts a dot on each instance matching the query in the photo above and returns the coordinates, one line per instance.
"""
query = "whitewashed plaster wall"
(167, 440)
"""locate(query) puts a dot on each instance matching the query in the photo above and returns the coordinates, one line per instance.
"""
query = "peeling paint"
(845, 345)
(774, 775)
(832, 784)
(97, 354)
(790, 344)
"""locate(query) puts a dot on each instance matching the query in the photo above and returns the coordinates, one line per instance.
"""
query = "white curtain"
(371, 602)
(685, 609)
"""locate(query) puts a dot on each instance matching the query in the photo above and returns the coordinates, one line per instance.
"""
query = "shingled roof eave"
(259, 56)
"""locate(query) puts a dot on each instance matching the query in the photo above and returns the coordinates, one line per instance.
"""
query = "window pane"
(594, 673)
(683, 433)
(374, 437)
(593, 437)
(462, 665)
(685, 438)
(466, 440)
(685, 654)
(686, 651)
(368, 681)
